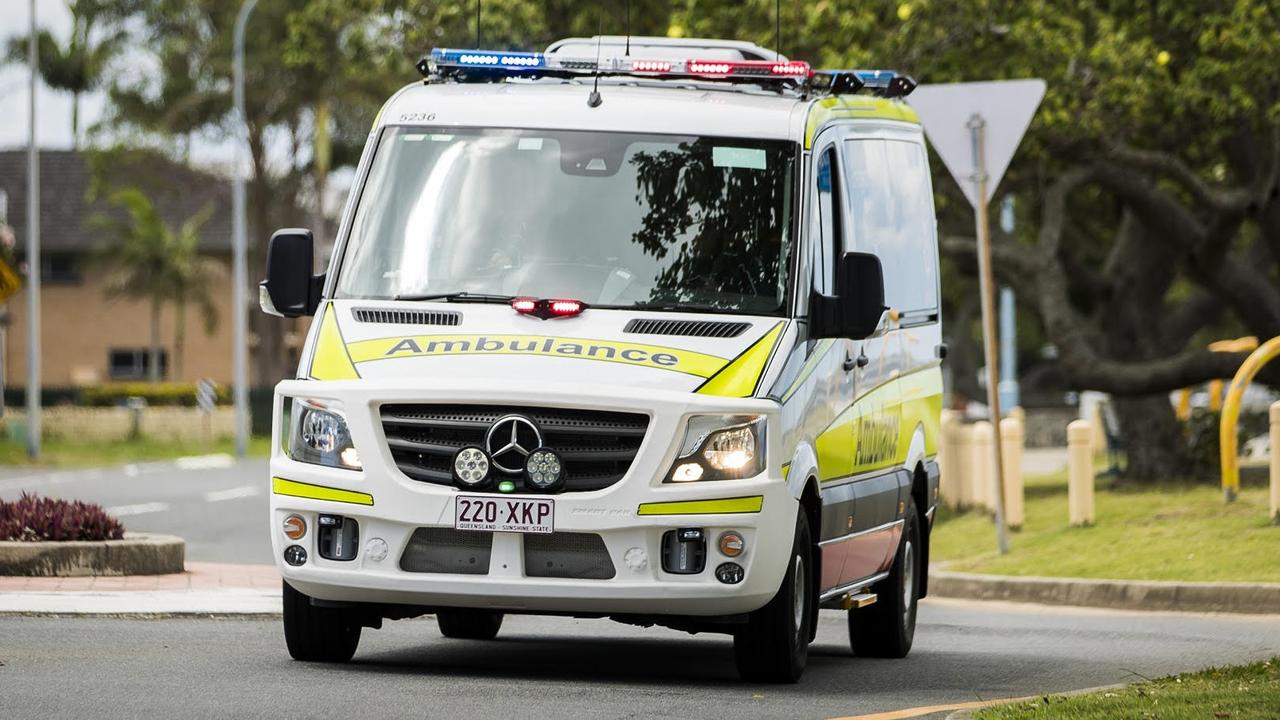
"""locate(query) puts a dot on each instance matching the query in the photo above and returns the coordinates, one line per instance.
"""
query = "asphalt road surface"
(218, 507)
(549, 668)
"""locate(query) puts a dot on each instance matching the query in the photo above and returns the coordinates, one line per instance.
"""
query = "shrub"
(31, 518)
(167, 394)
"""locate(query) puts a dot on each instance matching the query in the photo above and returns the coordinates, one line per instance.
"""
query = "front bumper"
(401, 505)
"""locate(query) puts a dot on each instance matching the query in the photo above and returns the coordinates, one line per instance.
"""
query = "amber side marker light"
(295, 527)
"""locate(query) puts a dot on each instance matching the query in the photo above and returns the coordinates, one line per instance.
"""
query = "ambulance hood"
(721, 354)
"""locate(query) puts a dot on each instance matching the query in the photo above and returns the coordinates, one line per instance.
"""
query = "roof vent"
(407, 317)
(692, 328)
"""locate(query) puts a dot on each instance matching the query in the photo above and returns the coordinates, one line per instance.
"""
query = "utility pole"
(33, 255)
(986, 287)
(239, 245)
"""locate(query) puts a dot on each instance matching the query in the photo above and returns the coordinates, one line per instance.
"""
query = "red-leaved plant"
(31, 518)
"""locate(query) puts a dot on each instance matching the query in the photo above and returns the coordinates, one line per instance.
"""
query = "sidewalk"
(204, 589)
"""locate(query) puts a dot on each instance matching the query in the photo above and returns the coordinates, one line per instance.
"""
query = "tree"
(149, 261)
(80, 65)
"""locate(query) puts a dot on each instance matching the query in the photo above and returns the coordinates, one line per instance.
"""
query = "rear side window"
(891, 215)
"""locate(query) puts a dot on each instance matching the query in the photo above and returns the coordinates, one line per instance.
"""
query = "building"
(88, 338)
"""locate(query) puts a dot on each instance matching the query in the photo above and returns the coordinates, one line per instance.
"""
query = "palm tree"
(78, 66)
(148, 260)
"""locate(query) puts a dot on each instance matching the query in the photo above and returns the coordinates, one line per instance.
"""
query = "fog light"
(376, 550)
(687, 472)
(470, 466)
(295, 555)
(295, 527)
(730, 573)
(543, 469)
(731, 544)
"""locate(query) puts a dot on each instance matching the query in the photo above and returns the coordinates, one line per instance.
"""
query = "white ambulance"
(649, 333)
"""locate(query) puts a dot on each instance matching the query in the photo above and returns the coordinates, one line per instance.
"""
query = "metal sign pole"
(33, 258)
(239, 245)
(986, 286)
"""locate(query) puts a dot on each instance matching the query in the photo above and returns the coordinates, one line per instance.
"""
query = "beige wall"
(80, 325)
(116, 424)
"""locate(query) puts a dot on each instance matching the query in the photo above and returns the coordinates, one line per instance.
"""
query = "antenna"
(477, 24)
(777, 29)
(627, 53)
(594, 100)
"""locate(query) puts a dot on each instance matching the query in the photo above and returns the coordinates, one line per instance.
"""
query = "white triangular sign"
(946, 111)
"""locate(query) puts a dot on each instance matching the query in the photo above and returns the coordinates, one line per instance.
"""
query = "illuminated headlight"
(319, 435)
(720, 447)
(543, 469)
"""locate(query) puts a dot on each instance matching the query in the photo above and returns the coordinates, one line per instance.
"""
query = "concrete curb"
(136, 554)
(1243, 598)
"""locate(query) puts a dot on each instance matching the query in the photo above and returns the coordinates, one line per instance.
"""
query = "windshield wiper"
(666, 306)
(459, 296)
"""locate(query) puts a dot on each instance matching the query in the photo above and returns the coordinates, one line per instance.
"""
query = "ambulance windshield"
(612, 219)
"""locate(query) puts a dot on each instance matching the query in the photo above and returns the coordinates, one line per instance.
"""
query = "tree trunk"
(153, 372)
(179, 337)
(1153, 440)
(75, 121)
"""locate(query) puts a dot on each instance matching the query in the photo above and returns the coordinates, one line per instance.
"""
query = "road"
(218, 506)
(548, 668)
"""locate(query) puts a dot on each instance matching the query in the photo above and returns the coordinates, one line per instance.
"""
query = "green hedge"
(162, 394)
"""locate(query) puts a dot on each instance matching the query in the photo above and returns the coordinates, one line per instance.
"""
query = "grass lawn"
(68, 454)
(1168, 532)
(1249, 692)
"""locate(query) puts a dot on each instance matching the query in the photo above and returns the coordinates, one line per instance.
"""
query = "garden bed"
(135, 554)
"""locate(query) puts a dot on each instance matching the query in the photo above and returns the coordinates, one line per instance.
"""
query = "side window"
(892, 216)
(828, 223)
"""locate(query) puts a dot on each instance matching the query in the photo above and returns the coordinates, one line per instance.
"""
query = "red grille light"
(524, 305)
(749, 68)
(561, 308)
(544, 309)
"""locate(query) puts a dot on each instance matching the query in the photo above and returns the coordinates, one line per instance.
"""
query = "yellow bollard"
(1080, 472)
(1012, 438)
(1275, 462)
(984, 438)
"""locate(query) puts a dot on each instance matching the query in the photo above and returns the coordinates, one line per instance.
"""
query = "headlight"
(319, 435)
(720, 447)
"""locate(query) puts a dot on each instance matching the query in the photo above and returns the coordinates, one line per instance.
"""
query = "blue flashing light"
(488, 58)
(875, 78)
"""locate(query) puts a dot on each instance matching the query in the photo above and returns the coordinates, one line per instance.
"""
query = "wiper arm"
(665, 305)
(460, 296)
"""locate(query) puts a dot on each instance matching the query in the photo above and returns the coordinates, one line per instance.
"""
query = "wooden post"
(1080, 472)
(983, 457)
(1275, 462)
(1012, 439)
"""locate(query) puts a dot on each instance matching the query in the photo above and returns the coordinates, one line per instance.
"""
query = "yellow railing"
(1227, 435)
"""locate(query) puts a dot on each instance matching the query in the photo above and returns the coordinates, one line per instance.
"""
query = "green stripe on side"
(750, 504)
(292, 488)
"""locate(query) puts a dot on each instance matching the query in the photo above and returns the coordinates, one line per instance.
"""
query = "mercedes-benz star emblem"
(510, 440)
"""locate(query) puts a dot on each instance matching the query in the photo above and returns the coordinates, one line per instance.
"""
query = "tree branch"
(1223, 200)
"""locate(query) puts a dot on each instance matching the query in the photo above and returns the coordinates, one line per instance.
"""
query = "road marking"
(931, 709)
(232, 493)
(140, 509)
(204, 462)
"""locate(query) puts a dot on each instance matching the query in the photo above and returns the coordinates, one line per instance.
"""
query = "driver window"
(827, 224)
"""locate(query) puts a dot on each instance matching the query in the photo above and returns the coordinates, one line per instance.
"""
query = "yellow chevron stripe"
(292, 488)
(750, 504)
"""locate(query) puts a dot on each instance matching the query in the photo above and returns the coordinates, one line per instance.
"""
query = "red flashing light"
(749, 68)
(653, 66)
(545, 309)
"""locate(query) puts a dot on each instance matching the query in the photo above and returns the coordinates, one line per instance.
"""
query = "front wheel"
(318, 634)
(467, 624)
(774, 644)
(886, 628)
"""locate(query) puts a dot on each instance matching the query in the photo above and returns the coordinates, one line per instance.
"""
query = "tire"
(887, 628)
(773, 646)
(468, 624)
(318, 634)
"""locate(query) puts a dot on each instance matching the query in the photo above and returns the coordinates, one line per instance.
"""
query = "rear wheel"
(886, 628)
(774, 644)
(468, 624)
(318, 634)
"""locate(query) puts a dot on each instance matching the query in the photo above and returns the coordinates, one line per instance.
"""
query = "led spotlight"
(543, 469)
(470, 467)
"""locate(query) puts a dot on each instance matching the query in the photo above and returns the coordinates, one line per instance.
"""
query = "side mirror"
(858, 306)
(290, 289)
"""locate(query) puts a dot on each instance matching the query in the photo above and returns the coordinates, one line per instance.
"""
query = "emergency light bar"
(489, 65)
(450, 62)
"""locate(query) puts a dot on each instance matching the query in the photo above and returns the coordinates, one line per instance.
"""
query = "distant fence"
(111, 424)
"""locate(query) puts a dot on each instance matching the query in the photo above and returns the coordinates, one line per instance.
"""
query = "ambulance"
(645, 331)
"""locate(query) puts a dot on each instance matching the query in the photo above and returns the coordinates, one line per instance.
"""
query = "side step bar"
(850, 600)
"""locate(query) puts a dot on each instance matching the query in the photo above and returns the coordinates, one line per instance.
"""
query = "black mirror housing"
(290, 289)
(856, 310)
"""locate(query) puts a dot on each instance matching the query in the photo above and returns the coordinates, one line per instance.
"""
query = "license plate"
(504, 514)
